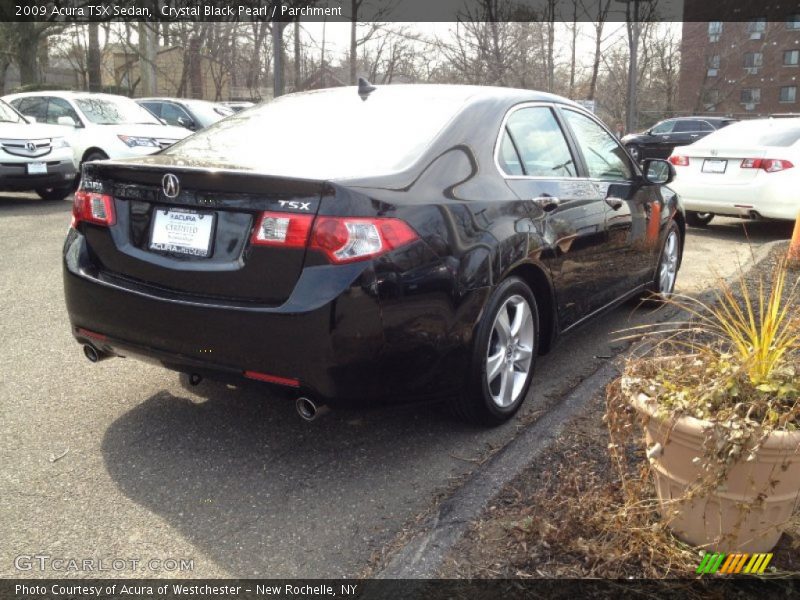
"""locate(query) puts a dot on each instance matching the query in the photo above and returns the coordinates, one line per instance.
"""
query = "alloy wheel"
(668, 270)
(510, 352)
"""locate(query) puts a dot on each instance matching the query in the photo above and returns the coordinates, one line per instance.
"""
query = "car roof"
(67, 94)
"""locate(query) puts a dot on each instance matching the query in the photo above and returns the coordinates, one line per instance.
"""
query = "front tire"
(698, 219)
(503, 356)
(54, 193)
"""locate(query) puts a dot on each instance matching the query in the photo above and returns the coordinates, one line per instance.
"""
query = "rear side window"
(509, 159)
(663, 127)
(542, 148)
(605, 158)
(153, 107)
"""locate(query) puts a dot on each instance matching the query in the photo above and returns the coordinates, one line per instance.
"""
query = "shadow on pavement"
(27, 204)
(263, 493)
(758, 232)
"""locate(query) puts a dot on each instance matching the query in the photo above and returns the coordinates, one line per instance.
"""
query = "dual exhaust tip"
(306, 408)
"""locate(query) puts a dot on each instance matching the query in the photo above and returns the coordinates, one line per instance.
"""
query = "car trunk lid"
(190, 231)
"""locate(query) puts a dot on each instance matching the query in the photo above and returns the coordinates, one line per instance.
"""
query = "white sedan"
(99, 126)
(749, 169)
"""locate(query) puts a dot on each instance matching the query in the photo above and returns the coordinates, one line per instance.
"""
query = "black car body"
(664, 136)
(181, 112)
(445, 216)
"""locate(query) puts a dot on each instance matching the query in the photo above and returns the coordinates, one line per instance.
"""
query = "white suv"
(99, 126)
(34, 157)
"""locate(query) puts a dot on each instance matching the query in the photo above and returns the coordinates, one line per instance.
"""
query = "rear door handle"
(615, 203)
(547, 203)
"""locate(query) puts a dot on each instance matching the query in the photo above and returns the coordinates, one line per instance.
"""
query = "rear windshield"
(328, 134)
(756, 133)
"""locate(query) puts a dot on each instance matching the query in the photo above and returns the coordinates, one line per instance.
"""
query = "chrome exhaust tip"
(93, 354)
(308, 409)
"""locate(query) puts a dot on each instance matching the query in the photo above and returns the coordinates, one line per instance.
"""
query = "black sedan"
(183, 112)
(354, 245)
(662, 138)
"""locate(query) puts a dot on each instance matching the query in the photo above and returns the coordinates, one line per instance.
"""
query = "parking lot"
(117, 460)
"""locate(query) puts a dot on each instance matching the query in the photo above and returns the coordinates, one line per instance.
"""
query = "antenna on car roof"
(365, 88)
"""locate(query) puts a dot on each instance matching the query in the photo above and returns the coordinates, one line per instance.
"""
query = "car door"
(629, 202)
(685, 132)
(539, 164)
(661, 143)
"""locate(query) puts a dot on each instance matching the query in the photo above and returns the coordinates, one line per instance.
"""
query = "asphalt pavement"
(118, 461)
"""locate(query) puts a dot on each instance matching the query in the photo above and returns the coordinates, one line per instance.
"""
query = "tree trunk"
(353, 40)
(28, 54)
(93, 58)
(297, 72)
(277, 59)
(596, 64)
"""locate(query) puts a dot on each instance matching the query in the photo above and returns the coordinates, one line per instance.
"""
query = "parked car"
(237, 106)
(749, 169)
(191, 114)
(34, 157)
(663, 137)
(426, 243)
(99, 126)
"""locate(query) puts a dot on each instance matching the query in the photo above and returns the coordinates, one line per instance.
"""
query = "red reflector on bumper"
(91, 334)
(272, 378)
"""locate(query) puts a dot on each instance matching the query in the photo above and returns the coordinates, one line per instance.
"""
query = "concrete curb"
(423, 555)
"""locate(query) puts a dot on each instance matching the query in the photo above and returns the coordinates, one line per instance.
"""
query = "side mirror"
(658, 171)
(184, 122)
(66, 121)
(30, 118)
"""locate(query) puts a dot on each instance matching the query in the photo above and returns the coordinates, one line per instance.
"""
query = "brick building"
(744, 69)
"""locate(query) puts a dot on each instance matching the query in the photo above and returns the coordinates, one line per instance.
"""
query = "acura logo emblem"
(171, 185)
(30, 146)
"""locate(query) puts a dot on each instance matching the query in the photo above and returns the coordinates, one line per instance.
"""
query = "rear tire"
(698, 219)
(503, 356)
(54, 193)
(668, 263)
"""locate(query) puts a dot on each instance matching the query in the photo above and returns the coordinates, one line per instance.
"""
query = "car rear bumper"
(770, 200)
(333, 344)
(14, 176)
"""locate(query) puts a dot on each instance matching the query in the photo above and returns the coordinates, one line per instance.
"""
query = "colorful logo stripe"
(731, 564)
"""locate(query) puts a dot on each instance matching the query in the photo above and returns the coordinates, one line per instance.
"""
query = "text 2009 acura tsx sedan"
(393, 243)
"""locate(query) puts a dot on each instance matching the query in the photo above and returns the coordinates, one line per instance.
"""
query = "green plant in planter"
(721, 404)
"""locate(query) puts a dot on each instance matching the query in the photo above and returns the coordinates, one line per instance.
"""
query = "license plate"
(711, 165)
(37, 168)
(182, 232)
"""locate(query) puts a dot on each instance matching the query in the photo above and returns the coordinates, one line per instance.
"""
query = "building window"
(750, 96)
(793, 22)
(753, 61)
(710, 100)
(791, 58)
(714, 30)
(788, 93)
(756, 28)
(713, 65)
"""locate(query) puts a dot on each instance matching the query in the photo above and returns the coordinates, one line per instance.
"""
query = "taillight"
(679, 161)
(770, 165)
(282, 229)
(93, 208)
(341, 239)
(346, 239)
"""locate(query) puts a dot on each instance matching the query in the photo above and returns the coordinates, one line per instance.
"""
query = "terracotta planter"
(722, 520)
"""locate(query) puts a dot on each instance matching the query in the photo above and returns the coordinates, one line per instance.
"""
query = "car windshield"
(102, 110)
(328, 134)
(8, 114)
(756, 133)
(208, 113)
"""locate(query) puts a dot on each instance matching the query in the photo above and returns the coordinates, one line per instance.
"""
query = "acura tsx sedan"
(370, 244)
